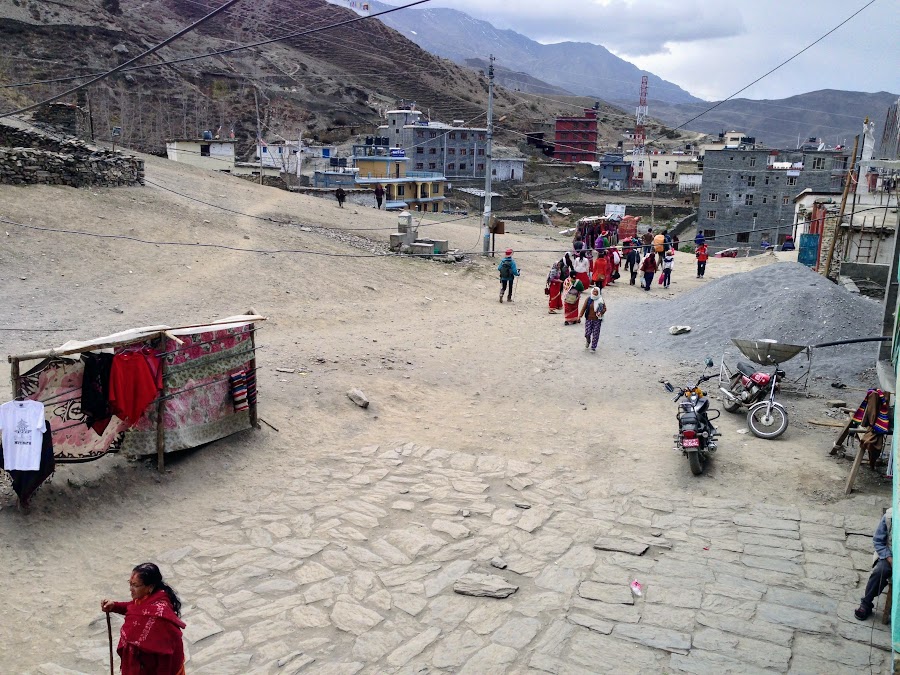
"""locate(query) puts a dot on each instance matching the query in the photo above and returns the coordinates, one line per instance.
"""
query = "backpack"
(506, 269)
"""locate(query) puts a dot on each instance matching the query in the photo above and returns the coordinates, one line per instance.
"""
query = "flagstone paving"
(357, 567)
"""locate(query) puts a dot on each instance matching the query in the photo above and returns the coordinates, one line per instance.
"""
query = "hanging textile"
(22, 425)
(873, 412)
(198, 406)
(239, 390)
(57, 383)
(95, 391)
(135, 380)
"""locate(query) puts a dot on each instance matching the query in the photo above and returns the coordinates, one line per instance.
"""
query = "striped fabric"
(239, 390)
(882, 422)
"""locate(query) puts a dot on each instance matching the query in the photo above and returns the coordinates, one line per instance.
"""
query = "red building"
(576, 138)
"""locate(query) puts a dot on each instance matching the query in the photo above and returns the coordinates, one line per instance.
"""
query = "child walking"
(668, 264)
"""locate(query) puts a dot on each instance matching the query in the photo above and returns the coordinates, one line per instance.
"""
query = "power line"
(203, 56)
(766, 74)
(122, 66)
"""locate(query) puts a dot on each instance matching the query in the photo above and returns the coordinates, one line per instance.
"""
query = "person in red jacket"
(702, 254)
(648, 267)
(150, 639)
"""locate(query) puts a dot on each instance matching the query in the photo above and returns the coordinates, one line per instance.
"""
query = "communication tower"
(639, 151)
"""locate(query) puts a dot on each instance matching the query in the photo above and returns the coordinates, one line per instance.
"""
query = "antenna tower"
(639, 152)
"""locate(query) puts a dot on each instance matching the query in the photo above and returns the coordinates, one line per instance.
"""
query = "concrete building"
(454, 150)
(507, 164)
(659, 168)
(748, 195)
(729, 139)
(281, 156)
(214, 154)
(575, 138)
(614, 172)
(377, 163)
(889, 148)
(689, 176)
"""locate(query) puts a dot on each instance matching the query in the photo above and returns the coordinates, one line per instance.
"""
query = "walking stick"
(109, 633)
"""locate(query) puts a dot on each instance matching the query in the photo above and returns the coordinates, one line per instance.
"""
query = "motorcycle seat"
(745, 368)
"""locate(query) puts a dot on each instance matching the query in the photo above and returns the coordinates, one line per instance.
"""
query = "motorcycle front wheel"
(735, 388)
(697, 463)
(767, 423)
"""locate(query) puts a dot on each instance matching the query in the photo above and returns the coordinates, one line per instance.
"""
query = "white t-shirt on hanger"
(22, 424)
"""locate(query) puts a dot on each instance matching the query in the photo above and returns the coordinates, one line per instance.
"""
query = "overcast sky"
(714, 47)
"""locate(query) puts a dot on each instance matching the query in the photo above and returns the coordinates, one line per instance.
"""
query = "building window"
(420, 133)
(481, 167)
(434, 207)
(482, 136)
(753, 161)
(435, 189)
(818, 163)
(765, 199)
(751, 181)
(480, 152)
(432, 151)
(432, 165)
(617, 169)
(839, 164)
(462, 151)
(401, 190)
(463, 135)
(655, 162)
(785, 201)
(419, 165)
(743, 237)
(204, 150)
(493, 172)
(767, 180)
(713, 196)
(432, 134)
(451, 166)
(653, 175)
(792, 180)
(462, 167)
(452, 135)
(420, 150)
(451, 151)
(748, 200)
(711, 215)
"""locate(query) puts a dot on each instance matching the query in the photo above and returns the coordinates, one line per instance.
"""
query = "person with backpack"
(508, 274)
(702, 254)
(593, 310)
(668, 264)
(648, 267)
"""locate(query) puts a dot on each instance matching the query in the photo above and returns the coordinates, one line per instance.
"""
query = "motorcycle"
(755, 390)
(696, 438)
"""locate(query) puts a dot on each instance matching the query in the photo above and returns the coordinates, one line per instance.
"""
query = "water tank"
(207, 135)
(369, 140)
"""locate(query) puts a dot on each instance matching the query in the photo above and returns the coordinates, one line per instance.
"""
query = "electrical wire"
(123, 66)
(769, 72)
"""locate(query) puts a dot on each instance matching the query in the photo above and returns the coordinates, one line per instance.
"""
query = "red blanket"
(150, 640)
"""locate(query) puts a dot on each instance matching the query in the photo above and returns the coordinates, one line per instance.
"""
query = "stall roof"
(133, 335)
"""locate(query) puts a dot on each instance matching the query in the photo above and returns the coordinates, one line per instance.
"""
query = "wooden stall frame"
(15, 373)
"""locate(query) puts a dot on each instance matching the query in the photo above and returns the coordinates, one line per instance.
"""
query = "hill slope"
(331, 84)
(832, 115)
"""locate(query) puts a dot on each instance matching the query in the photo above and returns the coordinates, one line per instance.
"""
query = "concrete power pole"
(486, 219)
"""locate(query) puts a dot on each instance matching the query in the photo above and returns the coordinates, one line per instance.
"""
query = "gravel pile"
(786, 302)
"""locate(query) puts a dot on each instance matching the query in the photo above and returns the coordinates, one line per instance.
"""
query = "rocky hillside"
(834, 116)
(333, 84)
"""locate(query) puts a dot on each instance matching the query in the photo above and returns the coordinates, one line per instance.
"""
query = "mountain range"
(591, 70)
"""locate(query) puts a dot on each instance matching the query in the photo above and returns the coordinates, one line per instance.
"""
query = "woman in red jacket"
(150, 640)
(702, 257)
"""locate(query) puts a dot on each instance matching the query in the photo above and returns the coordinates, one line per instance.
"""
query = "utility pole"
(299, 156)
(258, 137)
(652, 204)
(486, 219)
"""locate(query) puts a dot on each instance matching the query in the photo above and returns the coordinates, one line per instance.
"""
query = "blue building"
(615, 172)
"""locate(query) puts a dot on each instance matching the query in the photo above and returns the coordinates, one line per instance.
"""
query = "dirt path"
(442, 361)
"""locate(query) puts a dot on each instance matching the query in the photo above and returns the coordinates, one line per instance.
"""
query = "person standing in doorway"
(668, 264)
(379, 195)
(508, 274)
(593, 310)
(340, 195)
(702, 256)
(648, 267)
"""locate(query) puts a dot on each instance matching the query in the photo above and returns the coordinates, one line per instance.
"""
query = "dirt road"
(441, 360)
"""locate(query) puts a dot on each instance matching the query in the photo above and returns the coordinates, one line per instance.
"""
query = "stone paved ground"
(352, 570)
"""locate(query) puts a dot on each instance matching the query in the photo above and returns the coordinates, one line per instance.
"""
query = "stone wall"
(28, 157)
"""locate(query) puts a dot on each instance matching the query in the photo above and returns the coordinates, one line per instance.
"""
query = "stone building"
(748, 194)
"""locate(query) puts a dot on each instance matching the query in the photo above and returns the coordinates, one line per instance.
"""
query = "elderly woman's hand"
(107, 605)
